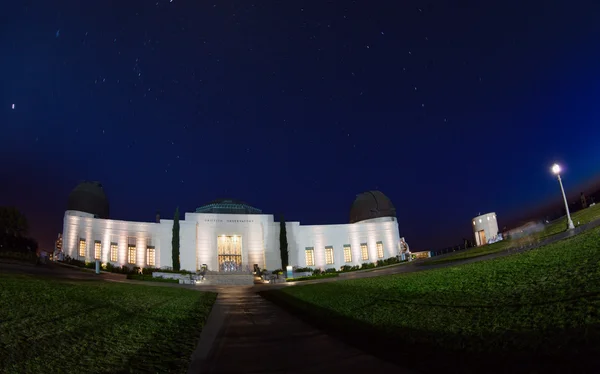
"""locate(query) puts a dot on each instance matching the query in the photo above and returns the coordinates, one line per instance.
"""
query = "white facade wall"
(488, 223)
(250, 227)
(259, 237)
(383, 230)
(79, 225)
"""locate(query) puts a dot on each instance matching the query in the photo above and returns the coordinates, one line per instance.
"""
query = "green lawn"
(582, 217)
(471, 253)
(555, 227)
(55, 326)
(542, 302)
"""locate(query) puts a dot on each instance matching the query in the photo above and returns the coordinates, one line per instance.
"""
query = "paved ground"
(247, 334)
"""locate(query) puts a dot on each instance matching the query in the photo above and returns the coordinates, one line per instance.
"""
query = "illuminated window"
(310, 256)
(488, 218)
(379, 249)
(347, 253)
(114, 251)
(364, 250)
(82, 247)
(329, 255)
(151, 256)
(97, 249)
(480, 220)
(131, 254)
(473, 223)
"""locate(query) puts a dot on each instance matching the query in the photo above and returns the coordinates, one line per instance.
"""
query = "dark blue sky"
(451, 108)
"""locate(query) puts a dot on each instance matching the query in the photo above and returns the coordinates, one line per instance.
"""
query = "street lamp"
(556, 170)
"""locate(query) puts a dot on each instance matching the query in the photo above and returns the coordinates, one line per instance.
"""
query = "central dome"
(371, 204)
(89, 197)
(228, 206)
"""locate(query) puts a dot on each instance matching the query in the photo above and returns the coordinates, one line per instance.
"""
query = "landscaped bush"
(303, 270)
(347, 268)
(150, 278)
(330, 270)
(389, 261)
(317, 271)
(73, 261)
(149, 270)
(313, 277)
(30, 257)
(168, 270)
(277, 272)
(367, 265)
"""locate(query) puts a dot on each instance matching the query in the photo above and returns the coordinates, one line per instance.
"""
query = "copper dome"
(89, 197)
(371, 204)
(228, 206)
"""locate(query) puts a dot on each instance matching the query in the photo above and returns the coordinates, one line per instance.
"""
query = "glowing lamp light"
(556, 168)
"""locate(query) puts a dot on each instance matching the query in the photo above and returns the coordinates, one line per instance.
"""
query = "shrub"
(149, 278)
(302, 270)
(317, 271)
(277, 272)
(388, 261)
(20, 256)
(170, 270)
(321, 276)
(330, 270)
(367, 265)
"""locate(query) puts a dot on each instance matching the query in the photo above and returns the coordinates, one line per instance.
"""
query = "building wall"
(250, 227)
(78, 225)
(488, 223)
(259, 234)
(383, 230)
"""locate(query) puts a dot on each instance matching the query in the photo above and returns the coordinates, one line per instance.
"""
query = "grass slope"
(555, 227)
(48, 325)
(541, 304)
(579, 218)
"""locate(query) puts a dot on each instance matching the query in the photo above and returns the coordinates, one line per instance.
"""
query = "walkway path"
(247, 334)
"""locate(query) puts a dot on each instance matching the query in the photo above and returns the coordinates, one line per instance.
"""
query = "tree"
(175, 240)
(283, 244)
(12, 222)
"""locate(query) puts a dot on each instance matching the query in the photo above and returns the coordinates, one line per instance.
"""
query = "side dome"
(89, 197)
(371, 204)
(228, 206)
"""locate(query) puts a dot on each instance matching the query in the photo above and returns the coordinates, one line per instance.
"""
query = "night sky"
(451, 108)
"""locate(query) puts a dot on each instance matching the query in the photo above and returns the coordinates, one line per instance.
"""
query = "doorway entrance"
(481, 237)
(229, 249)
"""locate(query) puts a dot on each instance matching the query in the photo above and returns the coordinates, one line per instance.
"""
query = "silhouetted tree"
(175, 241)
(283, 243)
(13, 231)
(12, 222)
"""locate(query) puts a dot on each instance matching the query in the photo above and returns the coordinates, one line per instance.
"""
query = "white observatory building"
(485, 228)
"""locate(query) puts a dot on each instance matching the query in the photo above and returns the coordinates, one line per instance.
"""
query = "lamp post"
(556, 170)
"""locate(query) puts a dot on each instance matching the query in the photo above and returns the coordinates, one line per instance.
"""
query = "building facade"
(231, 236)
(485, 229)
